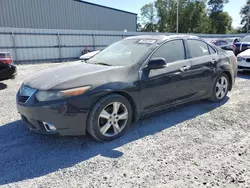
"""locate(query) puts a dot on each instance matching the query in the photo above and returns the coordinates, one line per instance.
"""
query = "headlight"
(55, 95)
(239, 58)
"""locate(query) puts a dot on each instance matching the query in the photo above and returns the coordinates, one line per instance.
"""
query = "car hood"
(246, 53)
(72, 75)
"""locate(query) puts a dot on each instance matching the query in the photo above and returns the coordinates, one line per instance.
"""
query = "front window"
(124, 52)
(171, 51)
(246, 39)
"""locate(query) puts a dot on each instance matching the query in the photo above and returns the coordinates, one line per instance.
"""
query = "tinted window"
(211, 50)
(171, 51)
(197, 48)
(221, 43)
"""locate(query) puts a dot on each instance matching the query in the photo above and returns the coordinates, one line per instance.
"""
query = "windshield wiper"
(100, 63)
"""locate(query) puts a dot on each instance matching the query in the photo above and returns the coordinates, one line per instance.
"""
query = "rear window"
(5, 55)
(221, 43)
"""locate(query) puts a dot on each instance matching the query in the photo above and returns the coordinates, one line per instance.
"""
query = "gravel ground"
(198, 145)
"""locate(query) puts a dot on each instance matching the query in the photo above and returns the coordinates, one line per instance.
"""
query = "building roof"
(105, 7)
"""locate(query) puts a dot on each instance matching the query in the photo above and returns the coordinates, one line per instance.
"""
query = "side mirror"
(157, 63)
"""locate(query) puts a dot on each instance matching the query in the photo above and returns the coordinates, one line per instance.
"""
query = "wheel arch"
(229, 75)
(131, 101)
(135, 108)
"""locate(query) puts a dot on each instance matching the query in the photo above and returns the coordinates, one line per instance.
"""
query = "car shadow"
(2, 86)
(25, 155)
(244, 75)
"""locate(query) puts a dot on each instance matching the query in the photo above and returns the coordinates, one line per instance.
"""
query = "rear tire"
(109, 118)
(220, 88)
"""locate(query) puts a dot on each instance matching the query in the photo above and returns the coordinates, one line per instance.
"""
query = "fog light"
(49, 127)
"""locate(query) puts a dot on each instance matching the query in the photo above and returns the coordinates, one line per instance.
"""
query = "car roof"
(162, 37)
(218, 39)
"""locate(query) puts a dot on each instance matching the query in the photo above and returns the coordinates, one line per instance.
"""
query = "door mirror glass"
(157, 63)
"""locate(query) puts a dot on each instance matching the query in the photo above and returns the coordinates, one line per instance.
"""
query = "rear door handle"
(185, 68)
(213, 61)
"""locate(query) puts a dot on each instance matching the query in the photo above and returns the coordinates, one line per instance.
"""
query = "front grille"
(23, 99)
(240, 67)
(248, 60)
(25, 93)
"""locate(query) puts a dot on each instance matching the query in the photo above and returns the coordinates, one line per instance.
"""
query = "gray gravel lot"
(198, 145)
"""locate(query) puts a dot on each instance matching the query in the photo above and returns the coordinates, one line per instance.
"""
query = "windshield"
(124, 52)
(246, 39)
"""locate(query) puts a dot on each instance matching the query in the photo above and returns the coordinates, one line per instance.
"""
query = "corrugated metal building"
(64, 14)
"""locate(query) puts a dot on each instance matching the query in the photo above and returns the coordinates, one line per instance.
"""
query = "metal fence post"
(93, 41)
(14, 46)
(59, 46)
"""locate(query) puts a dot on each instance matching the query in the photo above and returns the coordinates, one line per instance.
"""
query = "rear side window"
(5, 55)
(197, 48)
(171, 51)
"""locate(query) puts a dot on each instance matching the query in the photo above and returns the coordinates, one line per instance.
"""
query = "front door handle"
(185, 68)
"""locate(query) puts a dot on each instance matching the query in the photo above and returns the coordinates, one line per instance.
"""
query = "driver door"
(168, 85)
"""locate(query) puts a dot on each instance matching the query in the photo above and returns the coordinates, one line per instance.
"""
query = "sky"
(233, 7)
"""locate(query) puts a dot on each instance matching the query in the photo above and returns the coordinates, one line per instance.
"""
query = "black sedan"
(7, 68)
(125, 81)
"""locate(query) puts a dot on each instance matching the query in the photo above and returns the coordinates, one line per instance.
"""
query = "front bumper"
(68, 116)
(243, 65)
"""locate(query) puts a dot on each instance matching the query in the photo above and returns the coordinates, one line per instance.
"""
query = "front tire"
(109, 118)
(220, 88)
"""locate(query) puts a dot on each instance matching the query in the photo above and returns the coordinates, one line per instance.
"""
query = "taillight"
(6, 58)
(234, 47)
(7, 61)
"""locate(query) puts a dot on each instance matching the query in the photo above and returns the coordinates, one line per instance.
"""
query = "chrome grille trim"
(25, 93)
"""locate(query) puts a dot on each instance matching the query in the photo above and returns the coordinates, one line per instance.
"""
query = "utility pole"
(247, 24)
(177, 17)
(248, 15)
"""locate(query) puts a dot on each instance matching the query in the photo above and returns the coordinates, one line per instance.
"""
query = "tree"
(243, 12)
(204, 22)
(138, 24)
(148, 15)
(162, 13)
(216, 5)
(191, 14)
(138, 27)
(220, 21)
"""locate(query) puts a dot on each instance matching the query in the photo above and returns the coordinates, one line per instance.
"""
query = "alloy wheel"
(221, 87)
(112, 119)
